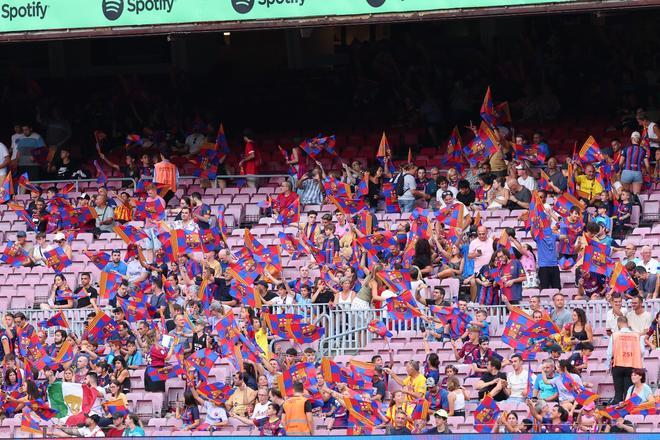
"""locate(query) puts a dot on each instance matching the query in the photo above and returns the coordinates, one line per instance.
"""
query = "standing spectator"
(624, 353)
(548, 264)
(414, 385)
(481, 248)
(588, 188)
(638, 319)
(26, 143)
(159, 355)
(116, 264)
(5, 160)
(560, 314)
(167, 174)
(614, 313)
(298, 418)
(558, 181)
(407, 197)
(309, 188)
(634, 159)
(651, 133)
(425, 188)
(105, 216)
(249, 164)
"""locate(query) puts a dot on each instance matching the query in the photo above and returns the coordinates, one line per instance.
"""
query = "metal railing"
(77, 182)
(75, 317)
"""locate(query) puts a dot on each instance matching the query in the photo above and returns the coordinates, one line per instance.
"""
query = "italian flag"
(72, 401)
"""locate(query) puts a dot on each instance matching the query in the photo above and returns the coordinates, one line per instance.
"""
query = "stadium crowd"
(180, 298)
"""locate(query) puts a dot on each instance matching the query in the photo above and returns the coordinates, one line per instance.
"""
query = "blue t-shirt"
(544, 149)
(605, 221)
(516, 288)
(116, 267)
(545, 390)
(468, 265)
(547, 250)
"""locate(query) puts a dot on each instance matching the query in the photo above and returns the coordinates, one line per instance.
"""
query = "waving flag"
(647, 408)
(292, 169)
(101, 178)
(403, 307)
(57, 320)
(482, 146)
(517, 330)
(346, 205)
(597, 258)
(216, 393)
(24, 182)
(102, 327)
(378, 242)
(538, 221)
(301, 372)
(129, 233)
(29, 424)
(622, 409)
(109, 282)
(328, 143)
(332, 372)
(134, 309)
(292, 245)
(620, 280)
(590, 152)
(151, 209)
(421, 410)
(451, 216)
(384, 155)
(454, 156)
(289, 214)
(14, 255)
(7, 189)
(100, 259)
(56, 259)
(378, 327)
(488, 109)
(543, 182)
(363, 414)
(203, 360)
(579, 393)
(389, 194)
(116, 407)
(311, 147)
(41, 409)
(396, 280)
(564, 203)
(419, 223)
(486, 415)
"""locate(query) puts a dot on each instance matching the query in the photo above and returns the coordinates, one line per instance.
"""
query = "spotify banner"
(40, 15)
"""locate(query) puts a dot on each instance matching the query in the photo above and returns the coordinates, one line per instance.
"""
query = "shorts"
(630, 176)
(407, 205)
(549, 278)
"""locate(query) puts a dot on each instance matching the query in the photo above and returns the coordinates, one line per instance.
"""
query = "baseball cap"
(520, 167)
(447, 193)
(21, 234)
(430, 382)
(441, 413)
(84, 196)
(483, 339)
(59, 237)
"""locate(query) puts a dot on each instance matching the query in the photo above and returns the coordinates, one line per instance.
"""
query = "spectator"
(624, 353)
(498, 195)
(188, 411)
(648, 263)
(524, 179)
(648, 284)
(634, 159)
(519, 195)
(133, 427)
(166, 174)
(407, 198)
(638, 319)
(425, 188)
(105, 216)
(61, 296)
(639, 386)
(456, 396)
(309, 188)
(26, 143)
(614, 313)
(546, 391)
(493, 382)
(465, 194)
(581, 330)
(414, 385)
(440, 421)
(548, 264)
(116, 264)
(517, 380)
(588, 188)
(560, 314)
(558, 181)
(243, 399)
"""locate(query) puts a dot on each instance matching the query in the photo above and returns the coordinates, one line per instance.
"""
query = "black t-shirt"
(466, 199)
(524, 195)
(199, 342)
(400, 431)
(487, 377)
(85, 302)
(67, 170)
(326, 296)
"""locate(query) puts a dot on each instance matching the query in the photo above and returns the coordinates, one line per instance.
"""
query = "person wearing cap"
(61, 241)
(524, 178)
(440, 421)
(436, 395)
(90, 429)
(22, 246)
(634, 159)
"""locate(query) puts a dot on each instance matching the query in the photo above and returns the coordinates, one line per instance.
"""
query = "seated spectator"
(546, 389)
(648, 284)
(188, 411)
(650, 264)
(61, 295)
(133, 427)
(639, 386)
(86, 293)
(440, 424)
(493, 382)
(517, 380)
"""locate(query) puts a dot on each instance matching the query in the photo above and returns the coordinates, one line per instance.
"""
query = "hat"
(447, 193)
(589, 407)
(21, 234)
(94, 417)
(84, 196)
(520, 167)
(430, 382)
(441, 413)
(483, 339)
(635, 135)
(59, 237)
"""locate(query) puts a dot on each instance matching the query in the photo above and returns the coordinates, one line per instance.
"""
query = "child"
(188, 412)
(622, 214)
(481, 322)
(580, 360)
(586, 421)
(602, 218)
(330, 246)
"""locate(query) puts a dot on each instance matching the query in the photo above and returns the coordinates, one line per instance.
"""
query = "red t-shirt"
(158, 355)
(250, 166)
(115, 432)
(282, 201)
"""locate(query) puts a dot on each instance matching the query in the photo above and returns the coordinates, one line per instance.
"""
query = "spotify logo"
(376, 3)
(242, 6)
(112, 9)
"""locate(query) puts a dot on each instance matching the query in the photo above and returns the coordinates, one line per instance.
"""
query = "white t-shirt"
(528, 183)
(651, 266)
(611, 318)
(486, 248)
(518, 383)
(4, 152)
(134, 270)
(639, 323)
(86, 432)
(214, 414)
(260, 411)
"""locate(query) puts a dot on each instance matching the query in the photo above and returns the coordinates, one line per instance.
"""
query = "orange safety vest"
(166, 174)
(626, 351)
(296, 419)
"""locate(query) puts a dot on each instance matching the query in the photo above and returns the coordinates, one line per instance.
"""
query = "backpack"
(399, 184)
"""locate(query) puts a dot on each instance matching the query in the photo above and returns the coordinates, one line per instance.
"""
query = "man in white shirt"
(525, 179)
(194, 141)
(614, 313)
(517, 380)
(135, 272)
(647, 262)
(25, 144)
(481, 248)
(260, 411)
(5, 159)
(639, 320)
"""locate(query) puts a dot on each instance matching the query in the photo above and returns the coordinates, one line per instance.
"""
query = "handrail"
(77, 181)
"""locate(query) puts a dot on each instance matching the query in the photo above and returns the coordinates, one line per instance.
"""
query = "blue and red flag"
(289, 214)
(482, 146)
(312, 147)
(378, 327)
(451, 216)
(363, 414)
(597, 258)
(134, 309)
(109, 282)
(420, 224)
(620, 280)
(203, 360)
(517, 331)
(332, 372)
(102, 327)
(24, 182)
(590, 152)
(579, 393)
(292, 245)
(14, 255)
(348, 206)
(396, 280)
(421, 410)
(403, 307)
(486, 415)
(488, 109)
(384, 154)
(538, 221)
(116, 407)
(101, 178)
(377, 242)
(57, 320)
(454, 157)
(100, 259)
(129, 233)
(390, 197)
(57, 259)
(216, 393)
(301, 372)
(7, 189)
(150, 209)
(29, 424)
(564, 203)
